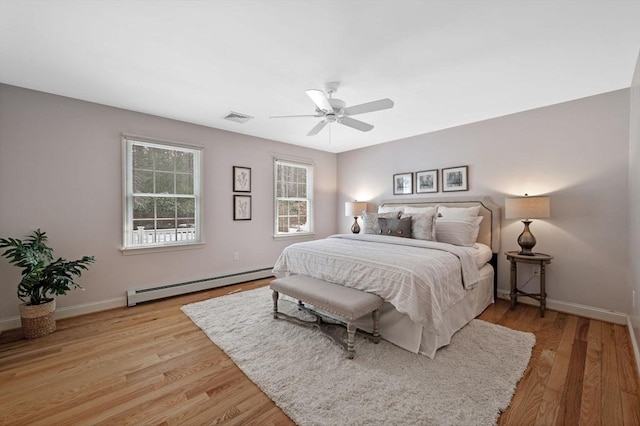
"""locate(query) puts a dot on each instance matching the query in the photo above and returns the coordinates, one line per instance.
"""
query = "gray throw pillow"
(396, 227)
(370, 221)
(423, 226)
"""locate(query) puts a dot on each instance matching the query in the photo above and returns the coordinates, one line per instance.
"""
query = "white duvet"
(419, 278)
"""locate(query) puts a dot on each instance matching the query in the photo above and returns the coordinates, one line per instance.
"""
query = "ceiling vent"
(237, 117)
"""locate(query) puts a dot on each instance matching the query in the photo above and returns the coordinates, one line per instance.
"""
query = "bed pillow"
(460, 232)
(370, 221)
(458, 212)
(396, 227)
(419, 210)
(390, 209)
(423, 226)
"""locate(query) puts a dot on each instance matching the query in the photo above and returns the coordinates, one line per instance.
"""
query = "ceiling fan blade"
(289, 116)
(320, 99)
(316, 129)
(369, 107)
(356, 124)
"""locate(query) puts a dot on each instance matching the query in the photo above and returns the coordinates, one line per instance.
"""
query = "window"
(162, 193)
(293, 198)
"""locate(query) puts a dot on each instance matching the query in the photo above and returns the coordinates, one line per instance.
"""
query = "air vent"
(237, 117)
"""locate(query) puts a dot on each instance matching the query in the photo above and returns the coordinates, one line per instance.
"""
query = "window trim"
(128, 140)
(310, 197)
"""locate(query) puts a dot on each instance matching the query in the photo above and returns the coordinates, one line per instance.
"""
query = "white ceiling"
(443, 63)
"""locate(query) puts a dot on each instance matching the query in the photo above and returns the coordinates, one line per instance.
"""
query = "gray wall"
(634, 197)
(60, 170)
(576, 152)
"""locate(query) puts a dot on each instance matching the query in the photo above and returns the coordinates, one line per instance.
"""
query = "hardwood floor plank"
(590, 406)
(533, 382)
(630, 410)
(627, 374)
(551, 404)
(572, 393)
(150, 364)
(76, 410)
(582, 329)
(257, 410)
(144, 402)
(611, 397)
(494, 312)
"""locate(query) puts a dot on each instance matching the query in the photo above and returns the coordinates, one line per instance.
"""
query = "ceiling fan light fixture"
(335, 110)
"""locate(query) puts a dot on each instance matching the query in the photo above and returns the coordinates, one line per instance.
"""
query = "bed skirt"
(400, 330)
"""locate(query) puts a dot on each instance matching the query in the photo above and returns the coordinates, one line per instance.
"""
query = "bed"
(431, 288)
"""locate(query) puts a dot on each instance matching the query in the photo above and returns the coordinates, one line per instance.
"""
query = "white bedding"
(422, 279)
(481, 254)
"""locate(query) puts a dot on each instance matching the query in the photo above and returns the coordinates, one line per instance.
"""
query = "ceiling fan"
(334, 110)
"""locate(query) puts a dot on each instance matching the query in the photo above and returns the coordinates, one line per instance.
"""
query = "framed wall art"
(242, 207)
(241, 179)
(403, 183)
(426, 181)
(455, 179)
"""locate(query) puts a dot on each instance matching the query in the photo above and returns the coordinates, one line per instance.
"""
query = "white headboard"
(489, 227)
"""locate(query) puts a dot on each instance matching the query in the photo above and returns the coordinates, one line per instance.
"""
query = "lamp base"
(526, 240)
(355, 228)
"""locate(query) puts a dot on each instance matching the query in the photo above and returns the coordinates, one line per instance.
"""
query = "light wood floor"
(150, 364)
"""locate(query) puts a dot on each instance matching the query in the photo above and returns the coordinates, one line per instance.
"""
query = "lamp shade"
(354, 208)
(527, 208)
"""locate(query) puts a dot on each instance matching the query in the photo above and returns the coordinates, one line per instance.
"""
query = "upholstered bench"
(345, 302)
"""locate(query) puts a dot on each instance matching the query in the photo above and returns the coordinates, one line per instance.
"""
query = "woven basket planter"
(38, 320)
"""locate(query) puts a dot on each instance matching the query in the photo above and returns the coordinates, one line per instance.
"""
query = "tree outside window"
(162, 194)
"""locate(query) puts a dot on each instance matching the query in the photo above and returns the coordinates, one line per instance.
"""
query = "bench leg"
(274, 296)
(351, 335)
(375, 315)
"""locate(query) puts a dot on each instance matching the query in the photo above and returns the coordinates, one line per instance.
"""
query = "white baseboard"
(148, 294)
(573, 308)
(634, 342)
(71, 311)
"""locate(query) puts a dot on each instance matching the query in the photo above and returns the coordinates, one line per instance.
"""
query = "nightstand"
(540, 259)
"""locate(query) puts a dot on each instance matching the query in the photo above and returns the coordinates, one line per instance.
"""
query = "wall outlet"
(536, 269)
(236, 255)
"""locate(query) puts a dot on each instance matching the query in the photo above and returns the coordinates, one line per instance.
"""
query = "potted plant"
(42, 278)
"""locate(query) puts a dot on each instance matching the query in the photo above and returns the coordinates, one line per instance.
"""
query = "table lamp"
(526, 208)
(354, 209)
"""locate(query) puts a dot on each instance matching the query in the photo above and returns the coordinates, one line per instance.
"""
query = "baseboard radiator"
(144, 295)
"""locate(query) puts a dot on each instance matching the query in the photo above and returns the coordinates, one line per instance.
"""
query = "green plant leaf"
(42, 277)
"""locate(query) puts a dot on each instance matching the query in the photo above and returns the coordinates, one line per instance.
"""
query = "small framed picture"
(427, 181)
(242, 207)
(403, 183)
(455, 179)
(241, 179)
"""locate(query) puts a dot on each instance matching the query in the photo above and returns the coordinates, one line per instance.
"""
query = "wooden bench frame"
(321, 321)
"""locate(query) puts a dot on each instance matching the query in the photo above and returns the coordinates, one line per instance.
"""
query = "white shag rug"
(469, 382)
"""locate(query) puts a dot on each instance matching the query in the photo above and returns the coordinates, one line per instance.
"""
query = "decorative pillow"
(370, 221)
(423, 226)
(461, 232)
(419, 210)
(395, 227)
(390, 209)
(458, 212)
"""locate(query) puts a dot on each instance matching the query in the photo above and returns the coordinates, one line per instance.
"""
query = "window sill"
(292, 235)
(160, 249)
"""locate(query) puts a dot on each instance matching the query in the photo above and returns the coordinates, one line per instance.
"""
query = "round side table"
(537, 259)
